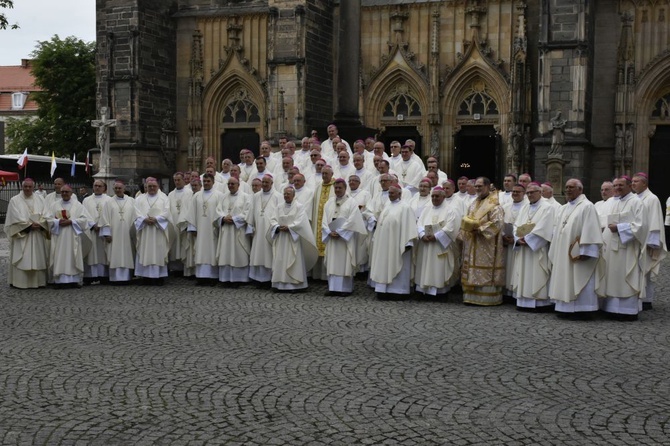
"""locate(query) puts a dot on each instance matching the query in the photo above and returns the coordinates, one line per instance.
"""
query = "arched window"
(240, 109)
(401, 102)
(478, 101)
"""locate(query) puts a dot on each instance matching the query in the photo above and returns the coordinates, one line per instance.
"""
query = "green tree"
(65, 72)
(4, 23)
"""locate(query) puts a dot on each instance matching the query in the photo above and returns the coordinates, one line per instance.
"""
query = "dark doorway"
(402, 134)
(477, 151)
(234, 140)
(659, 163)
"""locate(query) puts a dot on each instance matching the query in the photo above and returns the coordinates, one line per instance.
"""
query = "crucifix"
(103, 124)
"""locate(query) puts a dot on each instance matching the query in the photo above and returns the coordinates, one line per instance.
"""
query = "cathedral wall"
(319, 72)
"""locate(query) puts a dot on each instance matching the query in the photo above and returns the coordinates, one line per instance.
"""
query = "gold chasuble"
(483, 270)
(323, 199)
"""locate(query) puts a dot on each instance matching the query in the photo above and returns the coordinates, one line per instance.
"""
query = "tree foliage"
(4, 22)
(65, 72)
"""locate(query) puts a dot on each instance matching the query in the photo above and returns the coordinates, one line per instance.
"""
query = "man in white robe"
(261, 208)
(328, 146)
(574, 253)
(410, 173)
(55, 195)
(362, 241)
(603, 206)
(70, 239)
(204, 218)
(423, 199)
(433, 166)
(391, 257)
(116, 227)
(344, 168)
(548, 196)
(511, 210)
(437, 265)
(462, 193)
(152, 224)
(180, 199)
(533, 230)
(293, 247)
(233, 247)
(621, 278)
(656, 249)
(303, 194)
(505, 195)
(27, 230)
(96, 264)
(341, 221)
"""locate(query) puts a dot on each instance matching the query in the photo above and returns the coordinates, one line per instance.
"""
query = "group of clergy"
(328, 212)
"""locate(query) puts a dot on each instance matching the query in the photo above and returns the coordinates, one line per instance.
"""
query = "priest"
(293, 247)
(96, 264)
(27, 230)
(233, 247)
(116, 227)
(153, 240)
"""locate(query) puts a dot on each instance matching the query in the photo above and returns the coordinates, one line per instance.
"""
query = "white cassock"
(621, 271)
(362, 241)
(656, 249)
(293, 251)
(153, 241)
(390, 259)
(28, 248)
(69, 244)
(327, 149)
(234, 245)
(258, 223)
(419, 203)
(53, 197)
(179, 202)
(302, 160)
(437, 266)
(204, 218)
(530, 264)
(343, 216)
(457, 203)
(410, 174)
(305, 196)
(572, 284)
(344, 172)
(511, 211)
(96, 263)
(246, 170)
(116, 221)
(603, 210)
(504, 197)
(368, 179)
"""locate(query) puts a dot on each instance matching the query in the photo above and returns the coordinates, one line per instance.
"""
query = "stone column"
(348, 62)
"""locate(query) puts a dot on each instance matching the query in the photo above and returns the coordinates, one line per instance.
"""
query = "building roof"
(17, 79)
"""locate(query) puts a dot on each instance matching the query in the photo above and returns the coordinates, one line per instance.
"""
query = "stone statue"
(103, 124)
(629, 143)
(558, 135)
(618, 143)
(513, 145)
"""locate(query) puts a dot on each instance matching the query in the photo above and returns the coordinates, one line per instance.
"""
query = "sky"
(40, 20)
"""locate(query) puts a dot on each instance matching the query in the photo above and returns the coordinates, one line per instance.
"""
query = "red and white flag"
(23, 160)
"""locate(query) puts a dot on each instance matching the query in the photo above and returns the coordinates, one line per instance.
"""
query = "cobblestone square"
(182, 364)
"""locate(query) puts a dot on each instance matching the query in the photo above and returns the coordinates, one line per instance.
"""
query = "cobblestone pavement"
(190, 365)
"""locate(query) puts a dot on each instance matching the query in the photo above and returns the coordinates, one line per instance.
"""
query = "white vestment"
(419, 203)
(234, 245)
(28, 247)
(436, 262)
(343, 216)
(258, 223)
(293, 251)
(511, 211)
(410, 174)
(116, 221)
(603, 210)
(204, 218)
(656, 248)
(571, 285)
(153, 241)
(621, 274)
(69, 244)
(362, 241)
(96, 263)
(390, 260)
(305, 196)
(530, 268)
(180, 200)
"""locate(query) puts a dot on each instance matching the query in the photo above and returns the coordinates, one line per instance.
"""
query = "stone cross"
(103, 124)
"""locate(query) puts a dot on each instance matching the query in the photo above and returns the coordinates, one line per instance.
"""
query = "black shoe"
(382, 296)
(647, 306)
(331, 293)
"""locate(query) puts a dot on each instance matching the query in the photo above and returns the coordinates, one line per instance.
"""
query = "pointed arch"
(231, 79)
(394, 73)
(653, 84)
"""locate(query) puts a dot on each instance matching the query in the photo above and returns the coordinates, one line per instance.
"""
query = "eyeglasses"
(531, 192)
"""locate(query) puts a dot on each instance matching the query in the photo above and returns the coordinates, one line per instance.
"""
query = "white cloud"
(40, 20)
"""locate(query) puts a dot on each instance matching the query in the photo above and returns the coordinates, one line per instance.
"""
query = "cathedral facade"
(557, 88)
